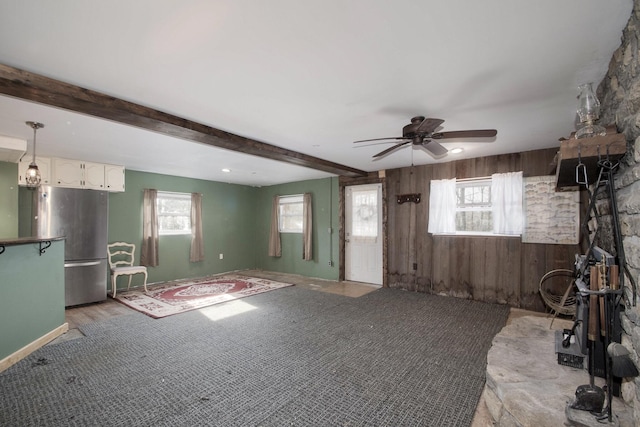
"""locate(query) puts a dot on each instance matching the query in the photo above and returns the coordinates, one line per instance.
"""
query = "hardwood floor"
(76, 316)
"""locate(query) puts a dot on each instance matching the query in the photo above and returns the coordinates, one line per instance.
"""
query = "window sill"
(475, 235)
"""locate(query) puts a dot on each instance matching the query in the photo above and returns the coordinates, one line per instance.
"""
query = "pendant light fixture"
(32, 176)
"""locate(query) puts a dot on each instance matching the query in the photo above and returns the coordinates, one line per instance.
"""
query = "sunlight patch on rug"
(175, 297)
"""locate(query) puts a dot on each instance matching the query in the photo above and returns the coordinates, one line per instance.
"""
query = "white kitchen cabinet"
(75, 174)
(114, 177)
(93, 175)
(78, 174)
(44, 166)
(67, 173)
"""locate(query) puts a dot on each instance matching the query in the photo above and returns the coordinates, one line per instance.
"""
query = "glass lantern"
(589, 112)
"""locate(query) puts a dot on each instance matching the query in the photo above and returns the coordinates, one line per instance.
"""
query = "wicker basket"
(560, 304)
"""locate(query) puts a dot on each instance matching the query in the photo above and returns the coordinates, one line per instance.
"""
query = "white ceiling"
(310, 76)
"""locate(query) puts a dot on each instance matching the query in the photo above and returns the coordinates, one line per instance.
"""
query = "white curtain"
(275, 248)
(506, 203)
(196, 253)
(307, 227)
(442, 206)
(149, 250)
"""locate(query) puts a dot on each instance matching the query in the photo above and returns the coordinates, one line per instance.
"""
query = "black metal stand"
(612, 298)
(605, 182)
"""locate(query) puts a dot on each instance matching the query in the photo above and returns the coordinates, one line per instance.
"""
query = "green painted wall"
(31, 295)
(229, 225)
(8, 199)
(236, 224)
(325, 245)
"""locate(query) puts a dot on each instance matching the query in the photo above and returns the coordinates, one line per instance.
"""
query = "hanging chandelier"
(32, 176)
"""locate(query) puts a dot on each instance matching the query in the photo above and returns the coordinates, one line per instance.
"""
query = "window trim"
(175, 196)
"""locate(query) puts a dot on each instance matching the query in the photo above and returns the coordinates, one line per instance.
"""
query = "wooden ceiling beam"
(44, 90)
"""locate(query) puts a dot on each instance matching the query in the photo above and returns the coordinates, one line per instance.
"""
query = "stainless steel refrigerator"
(82, 217)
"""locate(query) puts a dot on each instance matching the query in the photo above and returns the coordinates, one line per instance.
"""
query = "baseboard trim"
(33, 346)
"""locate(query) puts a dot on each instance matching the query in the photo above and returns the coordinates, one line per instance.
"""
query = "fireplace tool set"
(601, 296)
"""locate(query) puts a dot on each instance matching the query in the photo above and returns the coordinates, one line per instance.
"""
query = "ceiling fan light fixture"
(589, 112)
(32, 175)
(421, 132)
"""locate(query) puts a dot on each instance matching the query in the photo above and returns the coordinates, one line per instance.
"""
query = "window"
(174, 213)
(473, 207)
(290, 214)
(485, 206)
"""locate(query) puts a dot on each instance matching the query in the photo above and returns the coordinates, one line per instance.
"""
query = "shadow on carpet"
(293, 357)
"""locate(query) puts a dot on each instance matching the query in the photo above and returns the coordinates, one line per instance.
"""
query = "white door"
(363, 233)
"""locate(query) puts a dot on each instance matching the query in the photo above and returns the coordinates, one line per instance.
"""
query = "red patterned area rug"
(184, 295)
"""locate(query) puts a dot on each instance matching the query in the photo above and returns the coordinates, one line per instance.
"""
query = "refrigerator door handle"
(81, 264)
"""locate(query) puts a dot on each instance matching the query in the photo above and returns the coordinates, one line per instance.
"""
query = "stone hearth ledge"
(525, 384)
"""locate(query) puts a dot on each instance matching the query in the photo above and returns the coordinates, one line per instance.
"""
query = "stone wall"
(619, 94)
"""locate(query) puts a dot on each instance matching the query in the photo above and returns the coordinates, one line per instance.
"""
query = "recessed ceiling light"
(225, 170)
(457, 150)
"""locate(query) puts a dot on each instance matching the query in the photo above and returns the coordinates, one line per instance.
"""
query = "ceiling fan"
(421, 132)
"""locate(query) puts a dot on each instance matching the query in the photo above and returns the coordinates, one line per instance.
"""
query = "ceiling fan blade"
(434, 148)
(379, 139)
(390, 149)
(479, 133)
(429, 125)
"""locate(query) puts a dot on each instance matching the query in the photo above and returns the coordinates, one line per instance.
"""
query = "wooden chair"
(121, 258)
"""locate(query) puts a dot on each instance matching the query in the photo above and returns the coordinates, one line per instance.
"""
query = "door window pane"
(364, 208)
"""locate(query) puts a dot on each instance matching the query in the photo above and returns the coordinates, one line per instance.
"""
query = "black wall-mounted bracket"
(44, 246)
(415, 198)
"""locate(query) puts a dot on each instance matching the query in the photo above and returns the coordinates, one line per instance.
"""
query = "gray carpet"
(300, 358)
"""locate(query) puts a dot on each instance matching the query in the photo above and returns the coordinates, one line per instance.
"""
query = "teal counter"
(31, 296)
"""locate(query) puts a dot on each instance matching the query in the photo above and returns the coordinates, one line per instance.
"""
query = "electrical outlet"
(415, 265)
(221, 256)
(330, 263)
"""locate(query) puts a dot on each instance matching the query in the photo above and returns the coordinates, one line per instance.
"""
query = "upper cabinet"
(93, 175)
(114, 177)
(44, 166)
(68, 173)
(77, 174)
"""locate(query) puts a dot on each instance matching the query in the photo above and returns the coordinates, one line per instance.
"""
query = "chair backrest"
(121, 254)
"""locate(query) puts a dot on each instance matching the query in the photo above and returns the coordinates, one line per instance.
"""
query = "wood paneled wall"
(491, 269)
